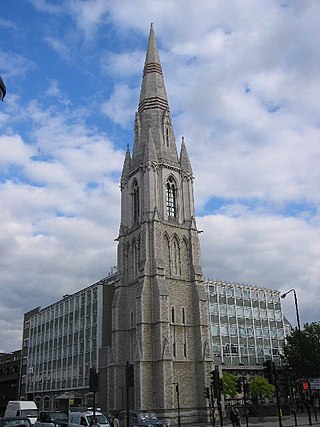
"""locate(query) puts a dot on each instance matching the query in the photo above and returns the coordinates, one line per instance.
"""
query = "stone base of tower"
(188, 416)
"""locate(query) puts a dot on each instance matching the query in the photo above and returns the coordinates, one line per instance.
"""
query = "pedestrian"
(114, 421)
(94, 422)
(235, 417)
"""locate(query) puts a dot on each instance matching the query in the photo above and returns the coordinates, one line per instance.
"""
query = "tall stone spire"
(153, 92)
(153, 111)
(160, 317)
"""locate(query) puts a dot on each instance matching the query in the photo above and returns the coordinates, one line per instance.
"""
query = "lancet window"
(171, 198)
(175, 257)
(135, 201)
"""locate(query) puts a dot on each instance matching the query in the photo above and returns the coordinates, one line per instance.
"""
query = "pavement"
(286, 421)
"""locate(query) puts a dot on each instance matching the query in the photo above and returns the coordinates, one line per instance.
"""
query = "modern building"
(247, 324)
(62, 342)
(10, 364)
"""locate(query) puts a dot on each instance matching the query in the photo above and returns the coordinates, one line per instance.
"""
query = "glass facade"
(247, 325)
(63, 343)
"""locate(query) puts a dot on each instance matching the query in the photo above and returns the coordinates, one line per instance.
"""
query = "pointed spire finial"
(126, 165)
(153, 92)
(184, 158)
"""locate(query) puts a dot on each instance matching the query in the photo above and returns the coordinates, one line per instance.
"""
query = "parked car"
(140, 418)
(22, 408)
(79, 419)
(52, 419)
(15, 422)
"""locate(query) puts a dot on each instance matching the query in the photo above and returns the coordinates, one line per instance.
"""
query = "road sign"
(315, 384)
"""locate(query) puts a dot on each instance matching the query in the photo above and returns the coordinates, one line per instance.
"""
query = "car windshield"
(101, 419)
(143, 416)
(29, 412)
(58, 416)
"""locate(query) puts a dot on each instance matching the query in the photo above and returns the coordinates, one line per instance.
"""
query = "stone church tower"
(160, 319)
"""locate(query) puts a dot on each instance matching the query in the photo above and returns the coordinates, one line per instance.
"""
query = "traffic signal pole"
(245, 393)
(216, 383)
(277, 392)
(212, 405)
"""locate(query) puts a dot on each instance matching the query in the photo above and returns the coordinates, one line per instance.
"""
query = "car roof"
(15, 418)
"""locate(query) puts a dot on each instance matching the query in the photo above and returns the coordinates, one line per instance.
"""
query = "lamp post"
(178, 402)
(296, 305)
(300, 338)
(298, 321)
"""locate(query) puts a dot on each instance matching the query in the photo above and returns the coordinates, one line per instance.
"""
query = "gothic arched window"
(175, 257)
(172, 314)
(135, 201)
(167, 135)
(171, 197)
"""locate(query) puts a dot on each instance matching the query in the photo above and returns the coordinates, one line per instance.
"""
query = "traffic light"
(215, 381)
(206, 392)
(239, 385)
(268, 371)
(93, 380)
(305, 385)
(221, 385)
(246, 388)
(129, 375)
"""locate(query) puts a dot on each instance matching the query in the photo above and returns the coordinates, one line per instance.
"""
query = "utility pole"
(178, 402)
(129, 383)
(94, 386)
(277, 392)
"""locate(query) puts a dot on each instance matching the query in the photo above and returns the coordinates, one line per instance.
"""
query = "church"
(155, 315)
(160, 312)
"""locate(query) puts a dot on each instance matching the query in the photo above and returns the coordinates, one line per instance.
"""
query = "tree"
(302, 351)
(229, 382)
(260, 387)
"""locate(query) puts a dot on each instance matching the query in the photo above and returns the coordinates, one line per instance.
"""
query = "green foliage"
(302, 351)
(229, 382)
(260, 387)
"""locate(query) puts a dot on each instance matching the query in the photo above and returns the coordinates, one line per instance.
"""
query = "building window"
(167, 135)
(135, 201)
(171, 198)
(172, 314)
(175, 257)
(183, 316)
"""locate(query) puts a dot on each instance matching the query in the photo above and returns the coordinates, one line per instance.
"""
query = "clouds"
(266, 250)
(243, 88)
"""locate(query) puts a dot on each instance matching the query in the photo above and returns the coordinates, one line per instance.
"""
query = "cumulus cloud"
(121, 105)
(264, 250)
(243, 88)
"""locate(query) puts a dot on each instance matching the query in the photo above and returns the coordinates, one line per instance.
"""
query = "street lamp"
(298, 321)
(300, 339)
(296, 304)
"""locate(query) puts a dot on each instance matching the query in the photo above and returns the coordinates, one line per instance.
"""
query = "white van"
(22, 408)
(78, 419)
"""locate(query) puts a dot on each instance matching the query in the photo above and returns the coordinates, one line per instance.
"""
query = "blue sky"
(243, 85)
